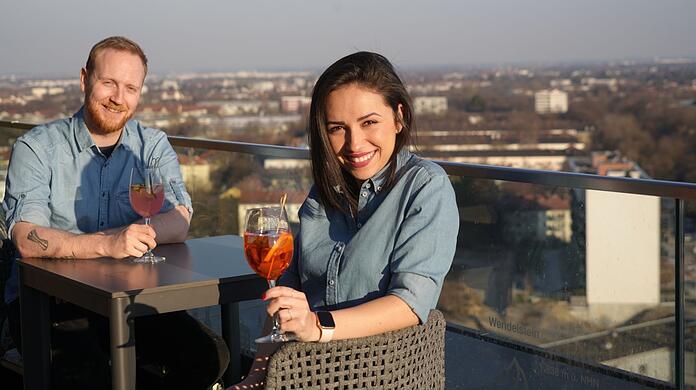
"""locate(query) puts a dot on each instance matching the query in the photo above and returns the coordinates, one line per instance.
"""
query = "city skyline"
(43, 38)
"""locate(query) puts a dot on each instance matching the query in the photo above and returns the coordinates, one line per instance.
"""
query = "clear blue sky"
(54, 37)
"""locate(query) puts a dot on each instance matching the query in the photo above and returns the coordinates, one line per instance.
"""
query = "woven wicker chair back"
(410, 358)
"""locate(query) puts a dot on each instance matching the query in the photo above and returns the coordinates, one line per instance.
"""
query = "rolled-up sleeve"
(175, 193)
(27, 190)
(425, 246)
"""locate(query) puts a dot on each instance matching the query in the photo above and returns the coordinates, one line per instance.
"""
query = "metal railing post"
(679, 293)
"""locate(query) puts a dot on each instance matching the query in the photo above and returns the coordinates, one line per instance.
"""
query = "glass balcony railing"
(560, 280)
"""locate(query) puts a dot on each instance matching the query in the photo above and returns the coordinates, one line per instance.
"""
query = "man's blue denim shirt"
(402, 242)
(58, 178)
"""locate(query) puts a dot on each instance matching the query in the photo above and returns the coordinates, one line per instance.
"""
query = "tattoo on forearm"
(33, 236)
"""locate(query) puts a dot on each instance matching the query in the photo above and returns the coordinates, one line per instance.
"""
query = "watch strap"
(326, 333)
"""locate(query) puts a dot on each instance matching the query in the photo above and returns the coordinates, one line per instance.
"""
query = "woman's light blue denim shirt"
(402, 242)
(58, 178)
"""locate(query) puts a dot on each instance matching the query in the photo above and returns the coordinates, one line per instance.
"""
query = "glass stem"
(276, 320)
(276, 324)
(149, 253)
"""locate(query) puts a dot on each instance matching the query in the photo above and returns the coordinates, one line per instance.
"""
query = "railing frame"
(537, 351)
(680, 319)
(680, 191)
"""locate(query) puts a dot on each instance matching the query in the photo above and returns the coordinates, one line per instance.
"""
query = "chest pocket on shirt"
(332, 274)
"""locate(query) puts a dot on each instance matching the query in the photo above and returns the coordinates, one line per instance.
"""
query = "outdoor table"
(198, 273)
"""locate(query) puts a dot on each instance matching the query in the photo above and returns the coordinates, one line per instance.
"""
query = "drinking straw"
(283, 198)
(278, 243)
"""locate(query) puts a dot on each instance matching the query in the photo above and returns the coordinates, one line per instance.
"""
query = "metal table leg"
(36, 337)
(122, 347)
(230, 332)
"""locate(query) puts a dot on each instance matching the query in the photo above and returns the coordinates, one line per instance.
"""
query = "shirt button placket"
(332, 275)
(104, 199)
(362, 201)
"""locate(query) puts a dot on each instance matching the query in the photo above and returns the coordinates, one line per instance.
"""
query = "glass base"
(152, 259)
(275, 338)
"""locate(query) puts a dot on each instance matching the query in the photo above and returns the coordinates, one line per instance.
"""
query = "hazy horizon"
(43, 38)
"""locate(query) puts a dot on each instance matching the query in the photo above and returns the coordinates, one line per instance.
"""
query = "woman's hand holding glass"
(268, 247)
(294, 313)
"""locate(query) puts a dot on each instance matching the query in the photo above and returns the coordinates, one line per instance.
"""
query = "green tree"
(476, 104)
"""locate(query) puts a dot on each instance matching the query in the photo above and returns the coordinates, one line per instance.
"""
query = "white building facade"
(430, 104)
(551, 102)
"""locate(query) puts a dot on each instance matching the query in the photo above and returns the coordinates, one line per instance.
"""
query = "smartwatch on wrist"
(326, 325)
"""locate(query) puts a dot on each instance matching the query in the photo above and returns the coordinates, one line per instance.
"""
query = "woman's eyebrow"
(368, 115)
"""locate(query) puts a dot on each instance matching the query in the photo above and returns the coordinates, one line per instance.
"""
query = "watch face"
(326, 319)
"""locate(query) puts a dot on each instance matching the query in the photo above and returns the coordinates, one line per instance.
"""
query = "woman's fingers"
(294, 314)
(288, 315)
(304, 327)
(282, 291)
(285, 315)
(290, 319)
(286, 302)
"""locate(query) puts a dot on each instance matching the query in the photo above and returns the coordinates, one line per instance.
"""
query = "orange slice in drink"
(283, 240)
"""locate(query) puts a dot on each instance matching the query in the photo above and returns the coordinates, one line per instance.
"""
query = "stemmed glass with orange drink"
(268, 246)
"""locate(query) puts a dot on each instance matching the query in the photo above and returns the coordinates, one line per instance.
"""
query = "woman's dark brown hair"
(335, 186)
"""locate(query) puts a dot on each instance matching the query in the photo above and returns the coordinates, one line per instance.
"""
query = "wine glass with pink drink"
(146, 193)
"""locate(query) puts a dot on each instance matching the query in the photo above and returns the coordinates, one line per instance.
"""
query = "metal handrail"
(242, 147)
(15, 125)
(662, 188)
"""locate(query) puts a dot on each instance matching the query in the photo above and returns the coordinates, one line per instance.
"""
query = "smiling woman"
(363, 140)
(360, 118)
(378, 229)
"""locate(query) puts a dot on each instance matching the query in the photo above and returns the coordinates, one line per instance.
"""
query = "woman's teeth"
(362, 158)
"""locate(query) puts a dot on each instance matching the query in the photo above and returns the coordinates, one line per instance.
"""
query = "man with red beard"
(67, 198)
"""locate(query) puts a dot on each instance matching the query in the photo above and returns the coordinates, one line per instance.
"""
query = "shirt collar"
(84, 139)
(377, 181)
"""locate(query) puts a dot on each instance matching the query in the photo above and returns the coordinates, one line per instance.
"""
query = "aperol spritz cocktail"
(268, 246)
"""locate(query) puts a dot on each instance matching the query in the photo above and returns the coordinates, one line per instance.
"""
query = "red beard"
(102, 124)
